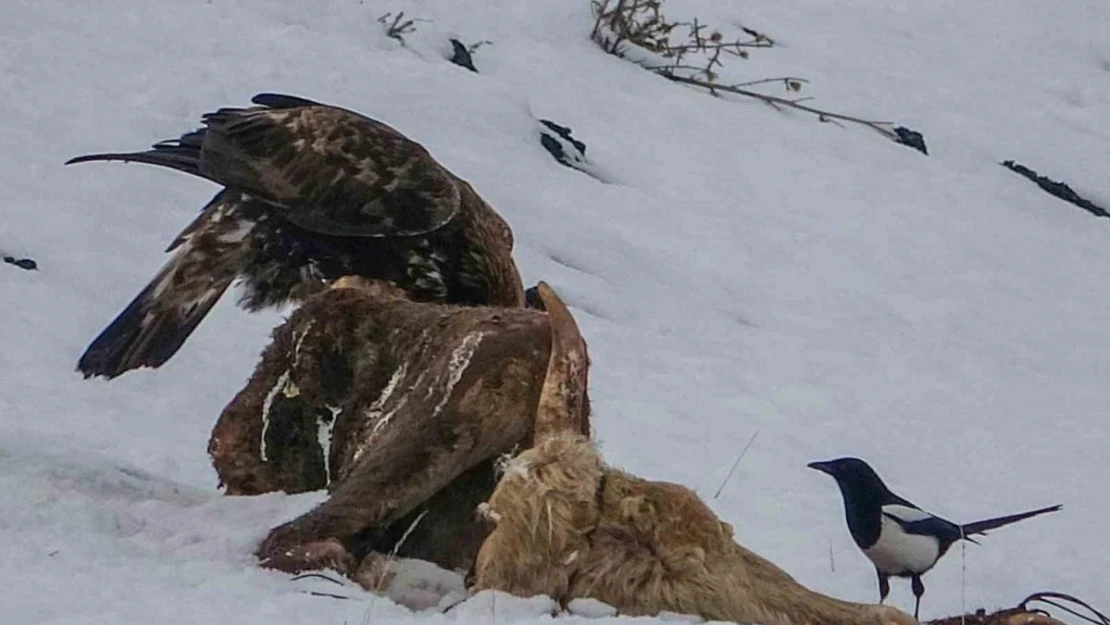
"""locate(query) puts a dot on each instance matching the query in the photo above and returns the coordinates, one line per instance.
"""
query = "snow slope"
(746, 270)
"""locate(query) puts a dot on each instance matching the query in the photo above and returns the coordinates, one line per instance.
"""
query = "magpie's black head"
(864, 496)
(854, 476)
(847, 466)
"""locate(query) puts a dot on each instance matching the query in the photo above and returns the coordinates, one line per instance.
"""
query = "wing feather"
(905, 514)
(207, 258)
(917, 521)
(334, 171)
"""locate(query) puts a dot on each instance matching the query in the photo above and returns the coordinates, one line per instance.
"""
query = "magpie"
(899, 538)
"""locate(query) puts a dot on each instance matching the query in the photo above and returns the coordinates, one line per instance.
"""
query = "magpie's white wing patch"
(905, 514)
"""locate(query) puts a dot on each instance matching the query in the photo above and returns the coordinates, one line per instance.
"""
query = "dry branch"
(399, 27)
(885, 128)
(638, 31)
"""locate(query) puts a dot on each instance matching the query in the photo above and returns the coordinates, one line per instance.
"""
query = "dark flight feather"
(311, 193)
(163, 315)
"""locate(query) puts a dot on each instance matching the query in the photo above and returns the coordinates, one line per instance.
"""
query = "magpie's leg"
(884, 585)
(918, 590)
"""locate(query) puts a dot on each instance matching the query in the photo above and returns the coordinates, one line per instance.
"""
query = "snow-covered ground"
(746, 270)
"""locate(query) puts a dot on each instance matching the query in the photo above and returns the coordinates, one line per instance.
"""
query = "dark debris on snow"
(564, 147)
(911, 138)
(1058, 189)
(22, 263)
(461, 56)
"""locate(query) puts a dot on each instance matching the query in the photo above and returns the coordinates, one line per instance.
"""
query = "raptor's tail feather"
(182, 154)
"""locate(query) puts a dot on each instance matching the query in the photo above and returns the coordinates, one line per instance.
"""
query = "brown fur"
(420, 398)
(568, 526)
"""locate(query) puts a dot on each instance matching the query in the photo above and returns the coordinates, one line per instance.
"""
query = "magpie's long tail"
(182, 154)
(982, 527)
(207, 259)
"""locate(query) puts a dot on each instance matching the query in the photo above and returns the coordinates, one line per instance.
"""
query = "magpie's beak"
(824, 467)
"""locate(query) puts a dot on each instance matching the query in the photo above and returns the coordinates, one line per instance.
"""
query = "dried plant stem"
(623, 26)
(884, 128)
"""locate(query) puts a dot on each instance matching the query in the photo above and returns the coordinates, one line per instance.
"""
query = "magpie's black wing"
(914, 520)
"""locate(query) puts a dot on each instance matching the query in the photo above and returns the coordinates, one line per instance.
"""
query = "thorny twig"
(389, 560)
(1048, 597)
(399, 27)
(641, 23)
(317, 593)
(329, 595)
(790, 83)
(735, 464)
(623, 25)
(317, 576)
(463, 55)
(396, 548)
(628, 22)
(472, 48)
(885, 128)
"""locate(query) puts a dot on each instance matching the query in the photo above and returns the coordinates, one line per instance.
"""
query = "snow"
(590, 608)
(739, 270)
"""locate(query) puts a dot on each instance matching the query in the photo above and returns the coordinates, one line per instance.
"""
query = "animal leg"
(918, 590)
(429, 441)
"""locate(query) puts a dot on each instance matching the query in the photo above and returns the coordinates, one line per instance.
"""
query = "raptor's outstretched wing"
(332, 170)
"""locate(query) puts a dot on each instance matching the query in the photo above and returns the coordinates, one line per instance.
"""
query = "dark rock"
(1058, 189)
(461, 56)
(564, 147)
(532, 298)
(22, 263)
(911, 138)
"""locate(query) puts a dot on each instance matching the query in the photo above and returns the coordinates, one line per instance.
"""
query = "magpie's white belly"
(899, 553)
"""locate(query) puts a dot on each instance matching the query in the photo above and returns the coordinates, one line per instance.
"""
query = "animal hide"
(568, 526)
(399, 409)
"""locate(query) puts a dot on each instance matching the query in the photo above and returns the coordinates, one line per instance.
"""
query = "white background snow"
(747, 270)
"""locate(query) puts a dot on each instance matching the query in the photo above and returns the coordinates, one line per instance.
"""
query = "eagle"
(311, 192)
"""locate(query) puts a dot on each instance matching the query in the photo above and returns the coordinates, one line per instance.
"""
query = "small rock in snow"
(22, 263)
(461, 56)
